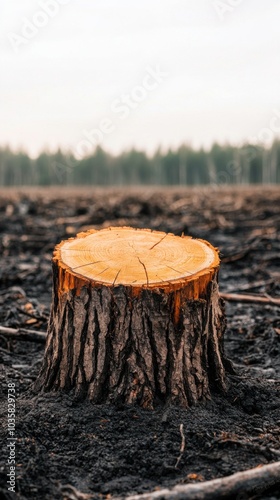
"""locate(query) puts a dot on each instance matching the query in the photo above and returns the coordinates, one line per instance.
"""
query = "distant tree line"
(184, 166)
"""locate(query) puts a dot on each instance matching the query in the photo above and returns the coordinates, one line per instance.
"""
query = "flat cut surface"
(137, 256)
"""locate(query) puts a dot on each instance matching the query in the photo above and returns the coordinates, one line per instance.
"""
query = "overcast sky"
(143, 74)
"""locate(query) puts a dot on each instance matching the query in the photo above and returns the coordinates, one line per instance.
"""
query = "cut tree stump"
(136, 318)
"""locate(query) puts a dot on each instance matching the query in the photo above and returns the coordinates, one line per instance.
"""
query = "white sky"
(223, 80)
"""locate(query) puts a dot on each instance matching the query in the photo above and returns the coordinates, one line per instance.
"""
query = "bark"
(109, 344)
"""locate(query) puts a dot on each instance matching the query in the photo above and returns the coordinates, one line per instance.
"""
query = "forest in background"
(248, 164)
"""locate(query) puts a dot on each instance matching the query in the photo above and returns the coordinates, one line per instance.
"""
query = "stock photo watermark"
(11, 437)
(121, 108)
(267, 134)
(224, 7)
(30, 27)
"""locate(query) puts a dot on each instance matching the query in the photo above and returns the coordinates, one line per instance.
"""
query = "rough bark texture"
(111, 345)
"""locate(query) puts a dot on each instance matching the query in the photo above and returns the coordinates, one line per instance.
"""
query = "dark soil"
(107, 450)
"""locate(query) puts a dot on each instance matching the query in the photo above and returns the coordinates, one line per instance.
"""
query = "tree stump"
(136, 318)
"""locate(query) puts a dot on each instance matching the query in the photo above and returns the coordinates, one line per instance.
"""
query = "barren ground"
(107, 450)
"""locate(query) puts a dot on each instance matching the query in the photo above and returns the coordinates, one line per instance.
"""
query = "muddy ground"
(107, 451)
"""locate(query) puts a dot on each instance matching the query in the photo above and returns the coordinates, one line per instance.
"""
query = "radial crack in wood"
(136, 318)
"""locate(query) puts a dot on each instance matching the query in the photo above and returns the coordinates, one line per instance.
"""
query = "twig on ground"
(254, 446)
(42, 317)
(251, 286)
(69, 492)
(255, 481)
(257, 299)
(237, 256)
(182, 449)
(12, 290)
(23, 334)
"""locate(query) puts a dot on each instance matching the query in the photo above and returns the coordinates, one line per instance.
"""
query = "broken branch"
(183, 442)
(23, 334)
(257, 299)
(254, 480)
